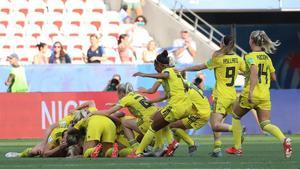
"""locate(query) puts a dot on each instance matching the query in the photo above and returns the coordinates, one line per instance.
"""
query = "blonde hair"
(228, 46)
(261, 39)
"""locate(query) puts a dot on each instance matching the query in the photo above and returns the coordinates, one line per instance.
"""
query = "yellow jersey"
(83, 123)
(138, 105)
(197, 97)
(174, 86)
(55, 137)
(226, 68)
(67, 120)
(265, 68)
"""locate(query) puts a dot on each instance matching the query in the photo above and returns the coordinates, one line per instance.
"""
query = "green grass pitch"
(260, 152)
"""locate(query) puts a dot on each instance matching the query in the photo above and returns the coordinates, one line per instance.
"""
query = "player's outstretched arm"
(154, 75)
(107, 112)
(193, 68)
(151, 90)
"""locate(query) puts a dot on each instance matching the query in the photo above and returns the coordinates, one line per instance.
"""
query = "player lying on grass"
(195, 121)
(226, 65)
(178, 107)
(57, 145)
(139, 108)
(256, 93)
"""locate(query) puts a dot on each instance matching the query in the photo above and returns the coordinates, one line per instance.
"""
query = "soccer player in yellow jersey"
(226, 65)
(256, 94)
(100, 135)
(139, 107)
(179, 105)
(196, 121)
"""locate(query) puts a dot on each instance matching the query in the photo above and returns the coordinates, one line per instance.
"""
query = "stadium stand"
(24, 23)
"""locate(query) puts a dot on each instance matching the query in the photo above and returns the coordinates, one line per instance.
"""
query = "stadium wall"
(86, 78)
(27, 115)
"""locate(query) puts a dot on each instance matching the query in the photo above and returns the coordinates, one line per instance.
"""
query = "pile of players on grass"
(156, 131)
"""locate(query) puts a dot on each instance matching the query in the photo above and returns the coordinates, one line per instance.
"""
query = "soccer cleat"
(216, 153)
(96, 151)
(192, 149)
(12, 155)
(171, 148)
(287, 147)
(115, 151)
(234, 151)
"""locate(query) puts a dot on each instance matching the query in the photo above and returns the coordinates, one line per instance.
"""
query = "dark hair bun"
(163, 57)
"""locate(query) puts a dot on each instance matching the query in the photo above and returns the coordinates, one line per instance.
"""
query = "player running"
(179, 105)
(226, 65)
(193, 121)
(256, 93)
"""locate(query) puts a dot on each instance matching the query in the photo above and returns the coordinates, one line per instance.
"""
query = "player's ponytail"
(227, 47)
(163, 58)
(261, 39)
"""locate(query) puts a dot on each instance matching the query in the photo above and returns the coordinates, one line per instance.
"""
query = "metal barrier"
(198, 23)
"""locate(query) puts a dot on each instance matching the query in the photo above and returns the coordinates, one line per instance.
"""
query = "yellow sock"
(168, 134)
(88, 152)
(272, 129)
(217, 145)
(148, 137)
(181, 133)
(26, 152)
(109, 152)
(230, 128)
(135, 145)
(158, 140)
(125, 152)
(237, 133)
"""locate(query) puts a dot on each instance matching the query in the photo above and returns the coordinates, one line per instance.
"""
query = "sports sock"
(148, 137)
(158, 140)
(166, 132)
(181, 133)
(26, 152)
(217, 145)
(272, 129)
(125, 152)
(88, 152)
(109, 152)
(237, 133)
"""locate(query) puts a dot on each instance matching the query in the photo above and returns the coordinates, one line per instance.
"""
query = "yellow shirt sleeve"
(79, 124)
(250, 60)
(242, 66)
(272, 69)
(212, 63)
(124, 101)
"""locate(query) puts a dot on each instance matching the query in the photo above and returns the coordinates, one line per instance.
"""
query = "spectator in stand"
(134, 5)
(41, 57)
(113, 83)
(126, 52)
(16, 81)
(139, 36)
(149, 55)
(59, 56)
(95, 53)
(185, 48)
